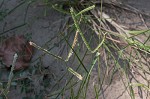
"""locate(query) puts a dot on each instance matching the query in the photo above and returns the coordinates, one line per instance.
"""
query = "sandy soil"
(44, 29)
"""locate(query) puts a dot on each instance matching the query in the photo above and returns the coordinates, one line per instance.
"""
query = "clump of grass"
(98, 22)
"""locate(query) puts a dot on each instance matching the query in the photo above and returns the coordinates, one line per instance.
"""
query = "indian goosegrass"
(126, 39)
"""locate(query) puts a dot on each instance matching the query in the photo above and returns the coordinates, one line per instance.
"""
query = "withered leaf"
(19, 45)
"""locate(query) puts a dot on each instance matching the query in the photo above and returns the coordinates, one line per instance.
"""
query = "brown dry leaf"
(19, 45)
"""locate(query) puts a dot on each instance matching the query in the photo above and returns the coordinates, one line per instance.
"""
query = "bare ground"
(44, 29)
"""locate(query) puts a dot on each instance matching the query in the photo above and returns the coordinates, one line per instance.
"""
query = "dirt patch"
(47, 75)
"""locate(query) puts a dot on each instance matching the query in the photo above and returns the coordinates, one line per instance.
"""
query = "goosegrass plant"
(11, 75)
(127, 38)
